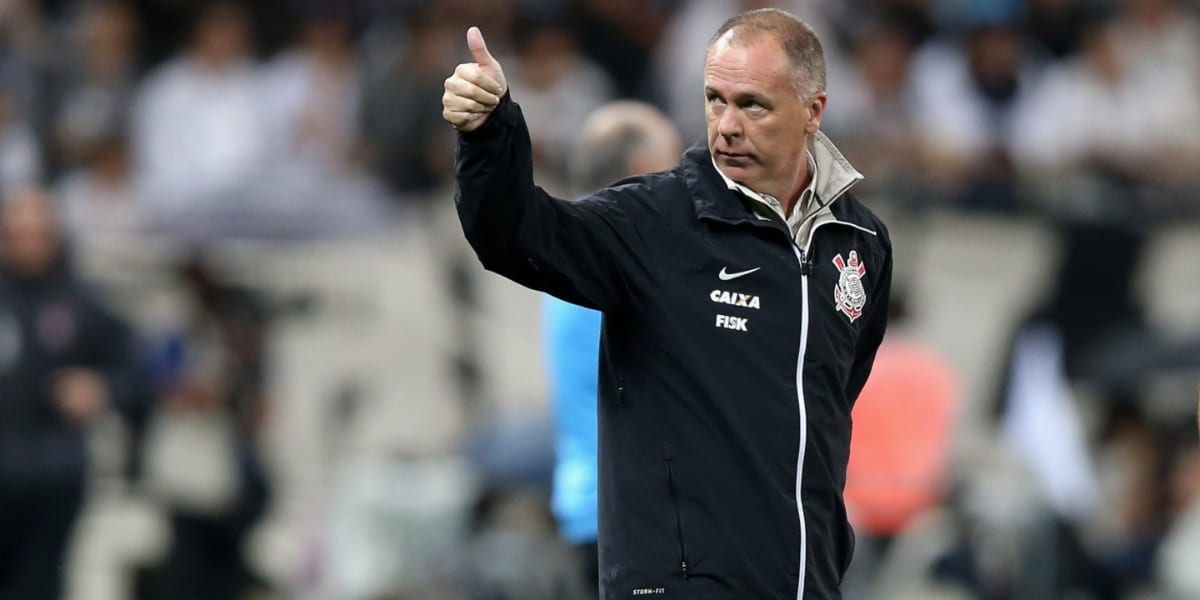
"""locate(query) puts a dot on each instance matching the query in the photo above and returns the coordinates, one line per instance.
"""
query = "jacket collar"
(712, 199)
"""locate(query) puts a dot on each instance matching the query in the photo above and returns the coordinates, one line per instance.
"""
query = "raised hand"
(475, 89)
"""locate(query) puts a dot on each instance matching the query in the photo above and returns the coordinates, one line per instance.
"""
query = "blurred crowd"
(199, 124)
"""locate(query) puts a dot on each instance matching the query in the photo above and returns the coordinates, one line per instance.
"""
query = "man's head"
(764, 82)
(619, 140)
(222, 35)
(30, 238)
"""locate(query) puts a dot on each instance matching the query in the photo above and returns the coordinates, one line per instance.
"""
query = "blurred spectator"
(1092, 331)
(1056, 26)
(514, 554)
(874, 116)
(551, 79)
(915, 17)
(411, 151)
(1156, 144)
(98, 197)
(618, 140)
(26, 32)
(96, 85)
(20, 153)
(1159, 36)
(65, 360)
(900, 449)
(198, 134)
(621, 36)
(969, 97)
(311, 93)
(167, 24)
(203, 451)
(1176, 557)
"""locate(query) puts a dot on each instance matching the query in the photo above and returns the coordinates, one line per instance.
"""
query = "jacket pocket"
(683, 561)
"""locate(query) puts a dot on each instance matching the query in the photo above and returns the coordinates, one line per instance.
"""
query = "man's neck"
(789, 201)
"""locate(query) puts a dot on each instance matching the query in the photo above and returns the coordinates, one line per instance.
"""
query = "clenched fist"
(474, 90)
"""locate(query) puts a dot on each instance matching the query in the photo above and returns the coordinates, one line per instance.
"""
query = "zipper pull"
(805, 264)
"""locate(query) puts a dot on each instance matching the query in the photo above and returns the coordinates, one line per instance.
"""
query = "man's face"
(757, 125)
(29, 240)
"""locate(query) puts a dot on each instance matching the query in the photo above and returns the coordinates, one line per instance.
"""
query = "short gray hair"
(797, 38)
(599, 162)
(615, 137)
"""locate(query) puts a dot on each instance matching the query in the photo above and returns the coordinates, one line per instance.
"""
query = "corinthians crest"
(849, 295)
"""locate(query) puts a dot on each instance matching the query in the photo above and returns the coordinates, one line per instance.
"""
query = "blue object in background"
(572, 342)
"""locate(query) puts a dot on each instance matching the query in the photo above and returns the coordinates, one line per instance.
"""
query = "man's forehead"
(746, 39)
(732, 59)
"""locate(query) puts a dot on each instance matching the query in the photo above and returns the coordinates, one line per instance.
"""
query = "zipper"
(805, 257)
(806, 263)
(683, 562)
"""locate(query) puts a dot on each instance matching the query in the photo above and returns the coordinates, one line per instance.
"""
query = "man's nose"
(728, 124)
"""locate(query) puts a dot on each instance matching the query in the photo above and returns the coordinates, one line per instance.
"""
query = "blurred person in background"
(1092, 172)
(1176, 557)
(20, 151)
(1056, 26)
(874, 121)
(401, 144)
(969, 98)
(1159, 36)
(98, 197)
(94, 86)
(723, 441)
(65, 360)
(28, 36)
(167, 28)
(900, 449)
(310, 93)
(198, 133)
(553, 80)
(619, 140)
(204, 459)
(621, 36)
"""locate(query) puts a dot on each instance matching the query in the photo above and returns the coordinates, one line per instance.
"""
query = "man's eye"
(715, 100)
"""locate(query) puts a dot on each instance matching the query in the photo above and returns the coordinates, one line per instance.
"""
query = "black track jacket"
(730, 358)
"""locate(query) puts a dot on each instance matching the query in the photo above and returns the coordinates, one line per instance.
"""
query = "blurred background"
(246, 353)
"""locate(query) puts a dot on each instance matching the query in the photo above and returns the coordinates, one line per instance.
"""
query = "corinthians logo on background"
(850, 295)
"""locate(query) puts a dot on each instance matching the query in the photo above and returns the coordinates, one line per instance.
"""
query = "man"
(64, 361)
(618, 140)
(745, 294)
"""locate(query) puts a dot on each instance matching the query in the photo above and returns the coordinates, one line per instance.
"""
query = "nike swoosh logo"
(725, 276)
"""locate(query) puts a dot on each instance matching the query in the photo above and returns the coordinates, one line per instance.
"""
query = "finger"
(474, 74)
(460, 87)
(459, 103)
(462, 121)
(458, 117)
(479, 49)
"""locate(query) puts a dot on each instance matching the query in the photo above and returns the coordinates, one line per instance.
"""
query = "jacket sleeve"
(588, 252)
(875, 327)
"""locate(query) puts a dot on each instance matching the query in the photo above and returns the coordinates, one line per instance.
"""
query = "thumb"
(479, 48)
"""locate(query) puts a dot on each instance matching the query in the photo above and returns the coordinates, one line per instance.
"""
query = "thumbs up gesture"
(474, 90)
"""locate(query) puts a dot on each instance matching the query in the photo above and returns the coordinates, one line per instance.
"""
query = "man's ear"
(816, 110)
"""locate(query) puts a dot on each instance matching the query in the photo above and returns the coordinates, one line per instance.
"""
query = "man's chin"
(736, 168)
